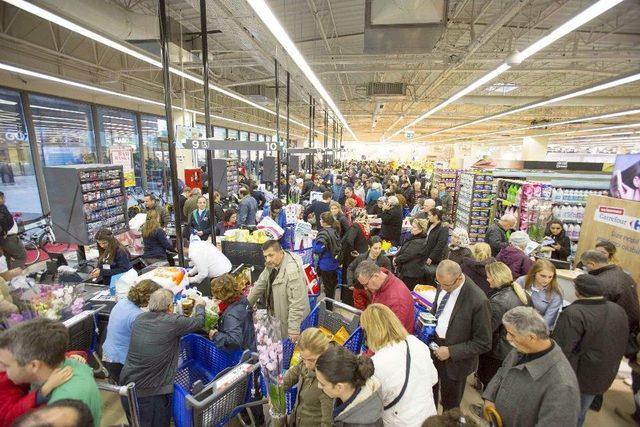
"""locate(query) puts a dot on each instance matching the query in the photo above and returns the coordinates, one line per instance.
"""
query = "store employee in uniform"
(463, 332)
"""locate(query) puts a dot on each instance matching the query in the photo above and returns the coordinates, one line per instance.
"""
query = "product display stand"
(569, 207)
(450, 178)
(84, 199)
(225, 176)
(474, 203)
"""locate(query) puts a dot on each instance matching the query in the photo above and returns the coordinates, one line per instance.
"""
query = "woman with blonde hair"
(313, 407)
(155, 240)
(403, 365)
(474, 268)
(541, 283)
(507, 295)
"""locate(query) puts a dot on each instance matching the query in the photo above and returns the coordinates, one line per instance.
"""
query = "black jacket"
(409, 194)
(593, 335)
(260, 199)
(391, 224)
(620, 288)
(6, 221)
(353, 240)
(501, 301)
(436, 244)
(459, 254)
(318, 207)
(196, 224)
(475, 270)
(469, 332)
(565, 247)
(411, 257)
(496, 237)
(381, 261)
(156, 244)
(235, 327)
(344, 224)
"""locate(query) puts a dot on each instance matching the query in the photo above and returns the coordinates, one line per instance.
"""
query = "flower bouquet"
(56, 302)
(269, 344)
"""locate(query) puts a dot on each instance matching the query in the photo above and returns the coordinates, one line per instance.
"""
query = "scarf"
(223, 305)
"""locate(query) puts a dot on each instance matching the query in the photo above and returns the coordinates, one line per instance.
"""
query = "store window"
(156, 152)
(64, 131)
(16, 164)
(253, 137)
(120, 143)
(233, 134)
(244, 136)
(261, 138)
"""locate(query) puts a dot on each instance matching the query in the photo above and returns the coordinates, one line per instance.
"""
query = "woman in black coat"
(354, 242)
(561, 248)
(391, 216)
(411, 257)
(436, 243)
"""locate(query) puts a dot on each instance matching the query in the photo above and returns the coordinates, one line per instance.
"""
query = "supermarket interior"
(319, 213)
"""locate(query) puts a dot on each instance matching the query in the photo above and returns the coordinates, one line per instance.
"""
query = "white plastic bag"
(124, 283)
(271, 227)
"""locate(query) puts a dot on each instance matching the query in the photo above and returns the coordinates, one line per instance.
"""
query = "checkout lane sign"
(616, 216)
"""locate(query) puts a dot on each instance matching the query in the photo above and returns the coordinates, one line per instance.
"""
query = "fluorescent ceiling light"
(30, 73)
(122, 47)
(5, 102)
(546, 125)
(502, 88)
(265, 14)
(602, 86)
(582, 18)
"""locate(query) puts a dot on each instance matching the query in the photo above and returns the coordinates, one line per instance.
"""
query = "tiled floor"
(618, 396)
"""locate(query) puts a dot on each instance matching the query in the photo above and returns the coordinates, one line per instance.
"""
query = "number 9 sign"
(195, 144)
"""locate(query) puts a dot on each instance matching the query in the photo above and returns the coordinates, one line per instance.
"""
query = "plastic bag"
(271, 227)
(124, 283)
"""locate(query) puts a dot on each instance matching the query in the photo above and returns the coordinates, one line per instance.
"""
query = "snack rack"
(450, 179)
(84, 199)
(474, 203)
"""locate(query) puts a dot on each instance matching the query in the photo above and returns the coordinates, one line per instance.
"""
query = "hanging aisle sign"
(211, 144)
(124, 157)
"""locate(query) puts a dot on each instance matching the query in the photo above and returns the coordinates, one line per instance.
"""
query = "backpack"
(332, 242)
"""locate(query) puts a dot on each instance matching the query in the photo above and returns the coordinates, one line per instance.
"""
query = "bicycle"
(37, 236)
(135, 208)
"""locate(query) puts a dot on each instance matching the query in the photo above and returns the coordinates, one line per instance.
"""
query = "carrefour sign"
(616, 216)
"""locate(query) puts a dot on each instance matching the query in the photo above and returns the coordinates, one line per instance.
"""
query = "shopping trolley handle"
(83, 315)
(122, 390)
(343, 306)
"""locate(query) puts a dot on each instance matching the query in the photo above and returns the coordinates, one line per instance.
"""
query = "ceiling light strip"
(265, 14)
(582, 18)
(30, 73)
(122, 47)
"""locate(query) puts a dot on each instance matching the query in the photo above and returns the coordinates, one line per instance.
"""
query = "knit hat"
(588, 286)
(519, 239)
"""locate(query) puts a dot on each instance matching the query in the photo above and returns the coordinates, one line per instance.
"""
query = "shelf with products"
(475, 197)
(92, 198)
(450, 179)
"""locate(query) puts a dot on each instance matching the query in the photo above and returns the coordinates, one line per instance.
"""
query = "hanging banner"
(124, 157)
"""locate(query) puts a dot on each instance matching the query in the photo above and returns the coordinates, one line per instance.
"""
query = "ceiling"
(477, 36)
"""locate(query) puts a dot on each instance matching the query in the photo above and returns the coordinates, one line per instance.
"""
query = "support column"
(277, 129)
(288, 140)
(166, 79)
(534, 147)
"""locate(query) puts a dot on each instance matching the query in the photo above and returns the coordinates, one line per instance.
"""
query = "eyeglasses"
(450, 284)
(367, 282)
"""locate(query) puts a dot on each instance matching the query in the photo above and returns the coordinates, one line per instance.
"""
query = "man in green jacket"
(282, 288)
(33, 350)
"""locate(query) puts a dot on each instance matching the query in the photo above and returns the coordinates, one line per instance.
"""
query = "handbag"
(406, 380)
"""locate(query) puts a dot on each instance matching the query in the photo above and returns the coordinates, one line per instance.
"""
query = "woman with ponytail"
(506, 295)
(349, 379)
(328, 252)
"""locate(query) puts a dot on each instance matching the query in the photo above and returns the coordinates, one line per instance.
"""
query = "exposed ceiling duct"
(403, 26)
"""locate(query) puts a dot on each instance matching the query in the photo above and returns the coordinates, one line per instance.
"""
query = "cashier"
(208, 263)
(113, 258)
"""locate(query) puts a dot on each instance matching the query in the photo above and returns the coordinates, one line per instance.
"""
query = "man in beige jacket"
(283, 289)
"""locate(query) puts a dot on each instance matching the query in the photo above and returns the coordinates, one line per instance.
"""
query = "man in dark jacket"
(463, 332)
(151, 204)
(318, 207)
(535, 385)
(10, 243)
(594, 356)
(496, 235)
(247, 208)
(391, 216)
(337, 190)
(153, 355)
(619, 287)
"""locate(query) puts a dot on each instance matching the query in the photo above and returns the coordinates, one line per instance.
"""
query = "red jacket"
(14, 400)
(394, 294)
(359, 201)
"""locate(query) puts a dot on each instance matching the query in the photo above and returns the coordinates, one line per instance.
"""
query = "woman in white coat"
(404, 367)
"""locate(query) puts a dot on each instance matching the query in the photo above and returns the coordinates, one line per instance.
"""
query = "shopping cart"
(305, 254)
(199, 398)
(126, 393)
(332, 319)
(83, 334)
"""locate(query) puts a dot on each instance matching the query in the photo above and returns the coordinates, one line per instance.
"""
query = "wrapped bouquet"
(56, 302)
(269, 344)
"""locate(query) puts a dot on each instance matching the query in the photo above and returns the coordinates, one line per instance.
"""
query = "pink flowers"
(269, 345)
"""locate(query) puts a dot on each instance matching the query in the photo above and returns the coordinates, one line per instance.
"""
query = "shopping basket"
(229, 393)
(322, 316)
(83, 334)
(200, 361)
